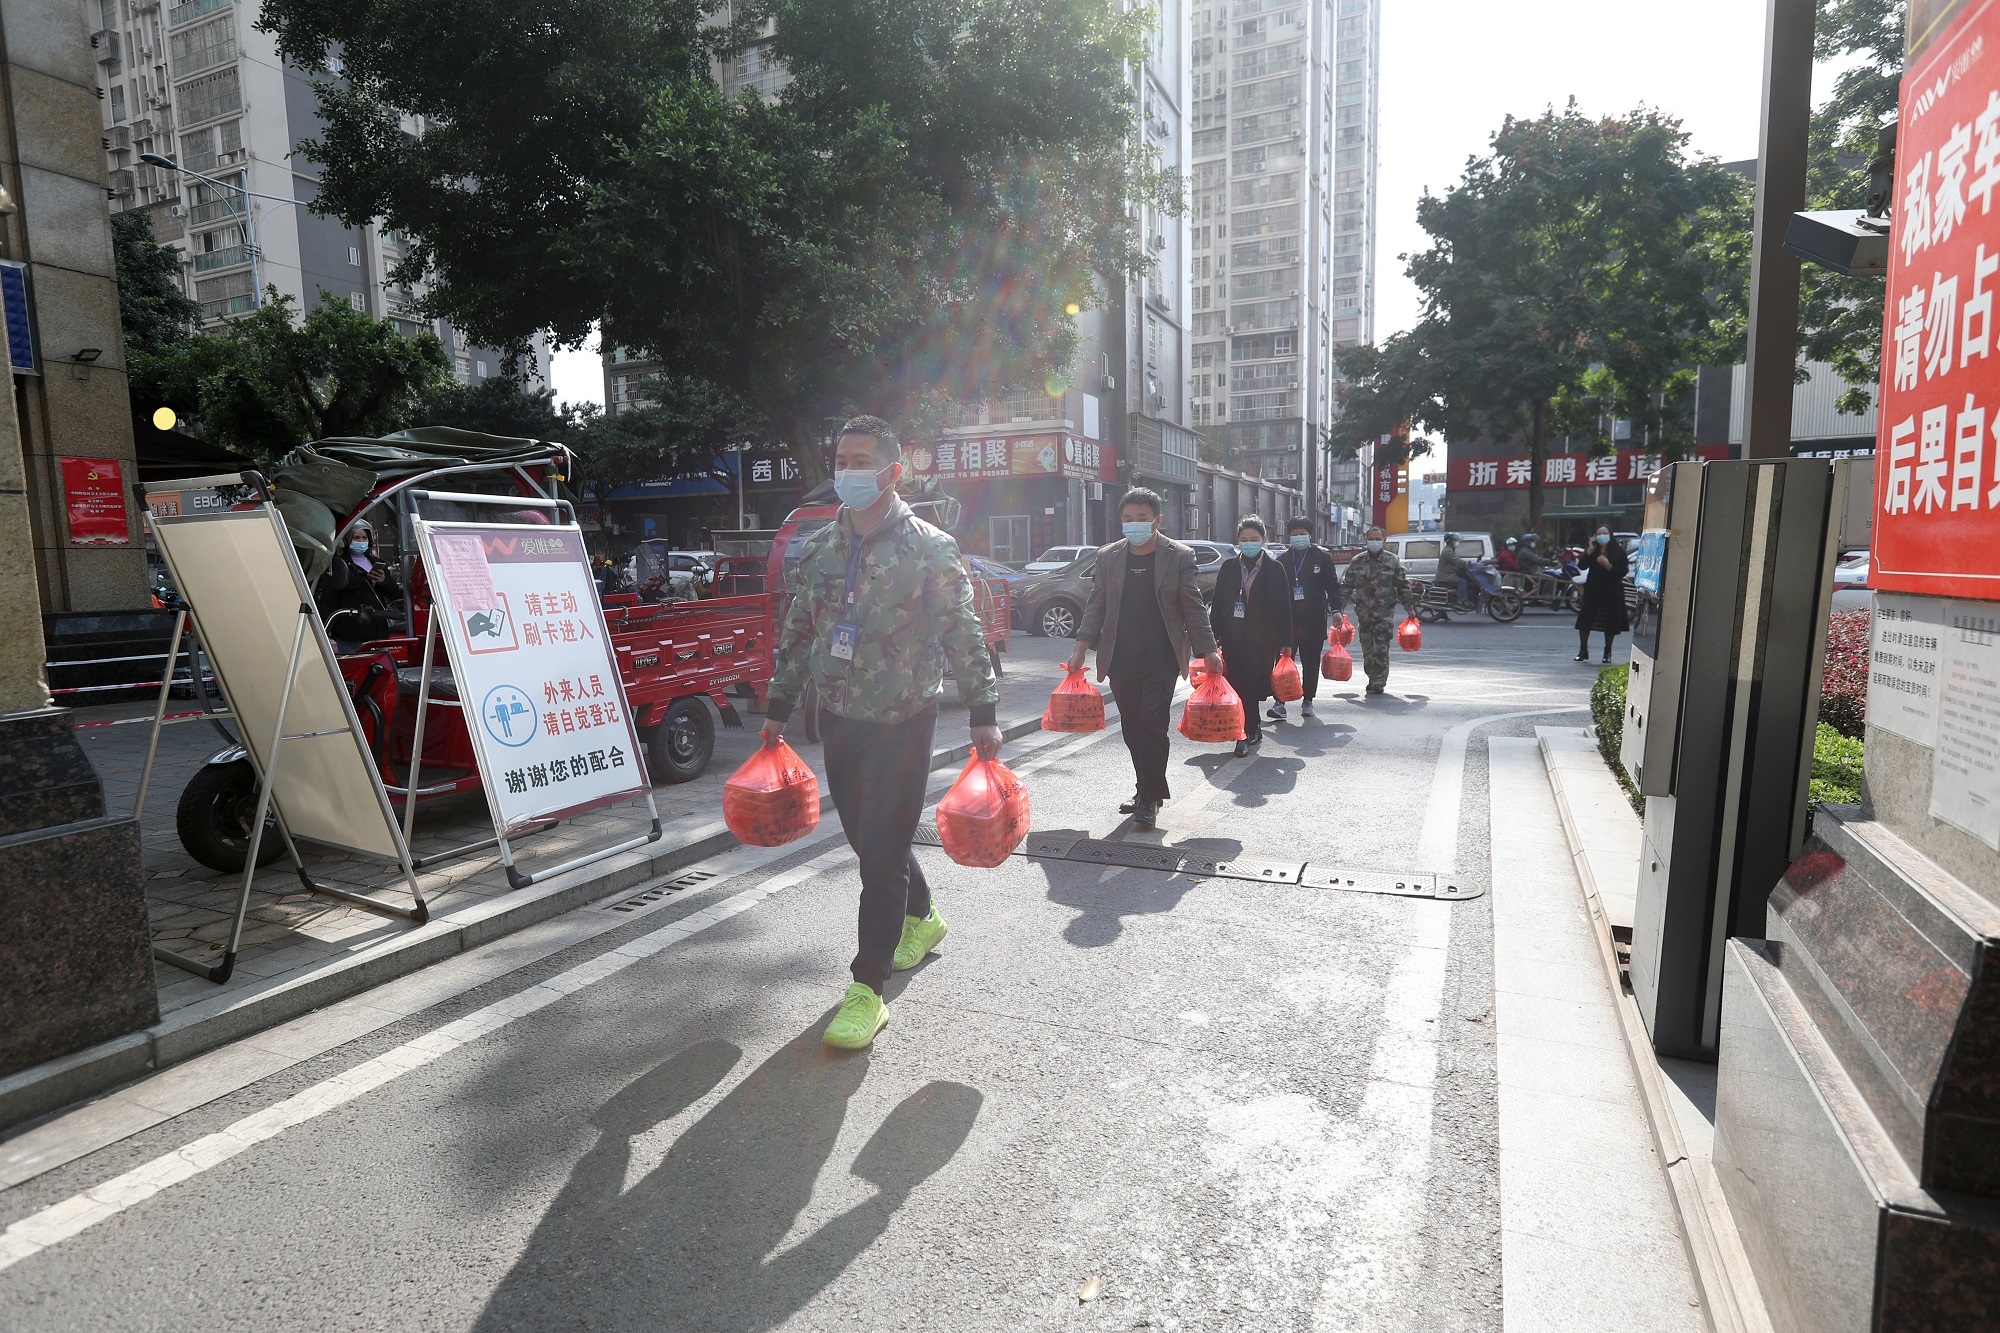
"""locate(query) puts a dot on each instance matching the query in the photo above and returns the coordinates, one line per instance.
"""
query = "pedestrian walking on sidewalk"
(879, 604)
(1375, 584)
(1145, 618)
(1603, 595)
(1314, 592)
(1251, 615)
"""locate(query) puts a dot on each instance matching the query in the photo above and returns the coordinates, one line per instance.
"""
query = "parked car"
(1056, 557)
(683, 575)
(1051, 604)
(1208, 558)
(1852, 572)
(1419, 550)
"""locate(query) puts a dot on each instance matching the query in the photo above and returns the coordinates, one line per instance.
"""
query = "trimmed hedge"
(1843, 679)
(1607, 710)
(1836, 769)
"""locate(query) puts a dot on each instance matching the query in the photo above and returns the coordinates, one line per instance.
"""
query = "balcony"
(232, 207)
(227, 257)
(190, 10)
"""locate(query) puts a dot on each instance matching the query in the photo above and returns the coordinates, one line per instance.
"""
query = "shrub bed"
(1843, 678)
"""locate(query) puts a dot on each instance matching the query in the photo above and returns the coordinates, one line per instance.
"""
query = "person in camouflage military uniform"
(879, 604)
(1374, 584)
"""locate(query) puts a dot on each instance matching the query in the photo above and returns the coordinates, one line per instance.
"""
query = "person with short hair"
(1313, 586)
(1375, 583)
(1451, 573)
(1251, 616)
(1145, 618)
(879, 604)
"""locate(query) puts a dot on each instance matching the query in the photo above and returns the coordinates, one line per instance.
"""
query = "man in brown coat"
(1145, 618)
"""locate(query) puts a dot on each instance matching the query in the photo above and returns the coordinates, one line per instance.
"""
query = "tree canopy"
(1840, 317)
(270, 381)
(1577, 275)
(157, 315)
(909, 218)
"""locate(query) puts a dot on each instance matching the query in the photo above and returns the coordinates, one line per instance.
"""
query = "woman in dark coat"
(1251, 627)
(1603, 594)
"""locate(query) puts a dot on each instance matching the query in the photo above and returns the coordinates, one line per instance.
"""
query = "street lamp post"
(249, 215)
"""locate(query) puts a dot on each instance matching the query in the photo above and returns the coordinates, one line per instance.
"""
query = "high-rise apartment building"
(196, 82)
(1282, 225)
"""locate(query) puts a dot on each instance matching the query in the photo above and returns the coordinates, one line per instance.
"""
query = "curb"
(1730, 1299)
(207, 1024)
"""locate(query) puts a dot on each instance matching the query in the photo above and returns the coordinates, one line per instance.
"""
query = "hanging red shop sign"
(94, 494)
(1937, 479)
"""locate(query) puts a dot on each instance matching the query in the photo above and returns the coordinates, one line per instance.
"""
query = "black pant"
(1307, 645)
(1144, 700)
(1249, 688)
(877, 772)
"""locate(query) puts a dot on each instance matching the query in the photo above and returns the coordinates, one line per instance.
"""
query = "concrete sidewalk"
(301, 951)
(1678, 1096)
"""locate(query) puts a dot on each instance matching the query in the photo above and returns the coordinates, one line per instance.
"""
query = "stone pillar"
(73, 923)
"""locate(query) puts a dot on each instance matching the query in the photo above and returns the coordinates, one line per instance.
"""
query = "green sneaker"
(861, 1015)
(921, 934)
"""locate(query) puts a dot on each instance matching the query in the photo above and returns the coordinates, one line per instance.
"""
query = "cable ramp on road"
(1069, 845)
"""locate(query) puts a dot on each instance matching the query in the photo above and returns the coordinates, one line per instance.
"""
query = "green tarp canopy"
(318, 485)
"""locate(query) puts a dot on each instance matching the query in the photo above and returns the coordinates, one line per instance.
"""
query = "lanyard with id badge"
(1245, 582)
(1298, 577)
(847, 633)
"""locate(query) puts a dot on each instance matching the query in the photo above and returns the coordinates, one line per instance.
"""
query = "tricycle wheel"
(1505, 606)
(214, 815)
(678, 750)
(1428, 616)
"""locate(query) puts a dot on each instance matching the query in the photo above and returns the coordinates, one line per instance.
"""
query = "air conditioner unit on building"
(1256, 166)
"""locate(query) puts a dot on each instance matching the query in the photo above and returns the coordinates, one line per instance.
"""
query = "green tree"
(1840, 317)
(157, 315)
(679, 428)
(499, 405)
(1576, 275)
(909, 219)
(271, 381)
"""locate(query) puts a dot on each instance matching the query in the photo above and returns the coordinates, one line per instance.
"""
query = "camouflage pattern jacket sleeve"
(913, 613)
(1375, 583)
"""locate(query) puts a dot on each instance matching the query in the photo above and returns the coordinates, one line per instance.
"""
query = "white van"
(1419, 550)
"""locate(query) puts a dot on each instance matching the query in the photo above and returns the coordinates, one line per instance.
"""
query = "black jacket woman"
(1603, 594)
(1251, 613)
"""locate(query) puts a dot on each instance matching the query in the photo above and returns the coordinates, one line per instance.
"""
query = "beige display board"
(274, 665)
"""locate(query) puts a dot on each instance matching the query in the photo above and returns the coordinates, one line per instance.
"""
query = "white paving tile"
(1589, 1240)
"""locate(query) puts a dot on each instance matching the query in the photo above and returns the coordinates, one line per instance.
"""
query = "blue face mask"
(858, 488)
(359, 548)
(1250, 550)
(1138, 533)
(1374, 546)
(1300, 541)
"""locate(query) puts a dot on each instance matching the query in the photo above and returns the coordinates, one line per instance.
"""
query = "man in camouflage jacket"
(1374, 584)
(879, 604)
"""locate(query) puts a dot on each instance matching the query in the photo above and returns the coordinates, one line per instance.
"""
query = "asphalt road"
(1233, 1104)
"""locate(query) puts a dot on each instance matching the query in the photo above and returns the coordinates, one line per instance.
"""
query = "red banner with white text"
(1624, 468)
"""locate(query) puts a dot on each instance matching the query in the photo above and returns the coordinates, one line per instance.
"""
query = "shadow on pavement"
(693, 1244)
(1102, 907)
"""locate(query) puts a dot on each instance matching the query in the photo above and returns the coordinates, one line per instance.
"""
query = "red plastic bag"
(1410, 635)
(1075, 706)
(1214, 712)
(1198, 669)
(1335, 664)
(773, 799)
(1342, 631)
(1287, 681)
(984, 816)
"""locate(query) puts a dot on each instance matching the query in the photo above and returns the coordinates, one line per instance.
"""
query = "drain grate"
(1168, 860)
(659, 891)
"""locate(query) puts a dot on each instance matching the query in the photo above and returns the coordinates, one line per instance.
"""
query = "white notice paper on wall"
(1965, 777)
(1904, 646)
